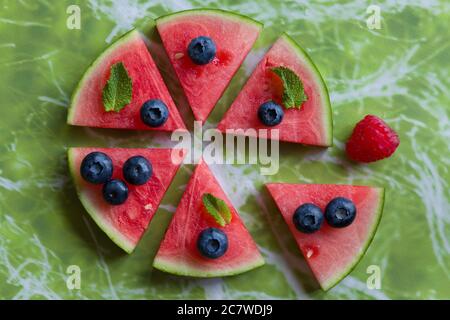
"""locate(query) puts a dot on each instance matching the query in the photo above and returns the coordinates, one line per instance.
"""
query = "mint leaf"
(118, 89)
(217, 208)
(293, 91)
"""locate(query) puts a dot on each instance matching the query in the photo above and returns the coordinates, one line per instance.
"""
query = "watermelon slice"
(86, 107)
(178, 253)
(234, 36)
(311, 125)
(331, 253)
(125, 224)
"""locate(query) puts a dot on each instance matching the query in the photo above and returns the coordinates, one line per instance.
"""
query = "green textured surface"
(400, 73)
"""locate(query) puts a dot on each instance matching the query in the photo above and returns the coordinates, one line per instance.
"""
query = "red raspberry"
(372, 139)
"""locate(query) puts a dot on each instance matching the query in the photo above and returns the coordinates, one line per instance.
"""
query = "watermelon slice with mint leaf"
(331, 252)
(287, 76)
(204, 206)
(115, 87)
(125, 223)
(232, 36)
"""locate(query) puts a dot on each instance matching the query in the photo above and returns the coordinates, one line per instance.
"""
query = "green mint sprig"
(293, 91)
(118, 89)
(217, 208)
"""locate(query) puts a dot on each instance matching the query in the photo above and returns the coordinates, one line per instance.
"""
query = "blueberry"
(202, 50)
(270, 113)
(96, 168)
(154, 113)
(137, 170)
(308, 218)
(340, 212)
(115, 192)
(212, 243)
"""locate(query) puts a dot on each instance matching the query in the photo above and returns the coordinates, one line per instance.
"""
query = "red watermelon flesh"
(86, 108)
(331, 252)
(178, 253)
(126, 223)
(311, 125)
(233, 35)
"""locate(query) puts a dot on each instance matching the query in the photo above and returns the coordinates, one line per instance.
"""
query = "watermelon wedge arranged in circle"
(233, 35)
(87, 105)
(311, 124)
(331, 253)
(126, 223)
(178, 253)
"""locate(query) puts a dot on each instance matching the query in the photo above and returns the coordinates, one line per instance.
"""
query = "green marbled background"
(400, 73)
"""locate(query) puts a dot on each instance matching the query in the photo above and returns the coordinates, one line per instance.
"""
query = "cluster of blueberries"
(339, 213)
(97, 168)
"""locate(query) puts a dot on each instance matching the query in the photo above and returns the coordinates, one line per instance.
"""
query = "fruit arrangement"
(121, 188)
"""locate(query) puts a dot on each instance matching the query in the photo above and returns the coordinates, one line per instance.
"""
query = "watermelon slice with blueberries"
(332, 224)
(206, 237)
(206, 47)
(285, 92)
(121, 189)
(123, 89)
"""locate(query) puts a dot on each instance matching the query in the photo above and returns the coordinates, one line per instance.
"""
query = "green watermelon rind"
(129, 36)
(327, 116)
(179, 269)
(207, 11)
(114, 235)
(371, 234)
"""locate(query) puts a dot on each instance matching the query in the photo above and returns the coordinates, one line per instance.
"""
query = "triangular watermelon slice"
(178, 253)
(126, 223)
(86, 107)
(332, 253)
(311, 125)
(234, 36)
